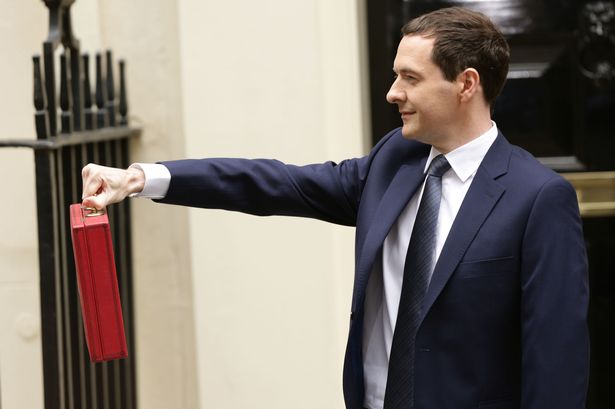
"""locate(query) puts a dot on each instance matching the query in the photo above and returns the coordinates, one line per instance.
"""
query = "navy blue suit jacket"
(504, 319)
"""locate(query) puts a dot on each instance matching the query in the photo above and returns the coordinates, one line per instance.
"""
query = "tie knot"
(438, 166)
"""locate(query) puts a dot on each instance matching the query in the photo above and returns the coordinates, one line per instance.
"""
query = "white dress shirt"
(157, 180)
(384, 286)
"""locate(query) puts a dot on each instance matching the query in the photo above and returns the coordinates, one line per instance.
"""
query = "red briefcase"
(97, 279)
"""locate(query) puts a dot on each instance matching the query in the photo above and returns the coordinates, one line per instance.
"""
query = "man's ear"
(469, 84)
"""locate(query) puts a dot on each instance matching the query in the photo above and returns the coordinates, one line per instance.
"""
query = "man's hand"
(103, 186)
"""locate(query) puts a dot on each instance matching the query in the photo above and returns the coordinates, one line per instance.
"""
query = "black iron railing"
(91, 130)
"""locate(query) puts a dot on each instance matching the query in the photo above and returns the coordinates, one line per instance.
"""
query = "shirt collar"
(466, 159)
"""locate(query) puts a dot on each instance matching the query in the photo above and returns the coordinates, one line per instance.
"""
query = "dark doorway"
(558, 103)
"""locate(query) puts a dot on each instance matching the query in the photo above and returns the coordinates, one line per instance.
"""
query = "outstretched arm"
(327, 191)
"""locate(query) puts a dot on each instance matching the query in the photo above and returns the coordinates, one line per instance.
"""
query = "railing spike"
(110, 89)
(76, 75)
(39, 91)
(123, 107)
(50, 87)
(40, 101)
(65, 96)
(87, 94)
(101, 113)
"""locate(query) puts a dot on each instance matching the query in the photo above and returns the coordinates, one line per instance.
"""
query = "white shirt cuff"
(157, 180)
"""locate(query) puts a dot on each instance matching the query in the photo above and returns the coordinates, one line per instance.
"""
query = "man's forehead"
(415, 44)
(413, 53)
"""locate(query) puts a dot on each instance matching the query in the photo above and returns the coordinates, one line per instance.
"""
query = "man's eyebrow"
(407, 71)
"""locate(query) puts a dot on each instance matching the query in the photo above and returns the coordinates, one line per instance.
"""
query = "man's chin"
(408, 133)
(413, 135)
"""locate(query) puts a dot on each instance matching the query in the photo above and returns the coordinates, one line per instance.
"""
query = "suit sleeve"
(263, 187)
(554, 303)
(266, 187)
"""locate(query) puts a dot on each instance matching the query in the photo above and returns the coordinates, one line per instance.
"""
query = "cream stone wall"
(21, 384)
(274, 79)
(231, 310)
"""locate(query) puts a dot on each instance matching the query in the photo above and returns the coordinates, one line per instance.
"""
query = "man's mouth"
(407, 114)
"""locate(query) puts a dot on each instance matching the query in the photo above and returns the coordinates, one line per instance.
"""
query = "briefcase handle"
(92, 211)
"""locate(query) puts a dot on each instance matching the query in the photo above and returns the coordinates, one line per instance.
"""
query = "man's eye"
(404, 77)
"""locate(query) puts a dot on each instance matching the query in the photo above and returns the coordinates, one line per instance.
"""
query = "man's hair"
(465, 39)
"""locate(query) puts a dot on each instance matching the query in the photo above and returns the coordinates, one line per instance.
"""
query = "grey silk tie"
(419, 264)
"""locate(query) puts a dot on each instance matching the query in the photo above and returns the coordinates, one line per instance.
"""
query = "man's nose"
(395, 95)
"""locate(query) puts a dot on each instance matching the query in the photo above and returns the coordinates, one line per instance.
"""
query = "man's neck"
(463, 133)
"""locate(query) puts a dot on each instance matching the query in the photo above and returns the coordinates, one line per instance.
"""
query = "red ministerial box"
(97, 280)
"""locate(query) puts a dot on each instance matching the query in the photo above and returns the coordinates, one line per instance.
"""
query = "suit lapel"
(393, 202)
(482, 196)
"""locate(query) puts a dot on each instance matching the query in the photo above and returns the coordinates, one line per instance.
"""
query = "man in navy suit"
(502, 321)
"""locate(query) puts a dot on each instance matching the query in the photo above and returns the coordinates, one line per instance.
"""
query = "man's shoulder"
(527, 169)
